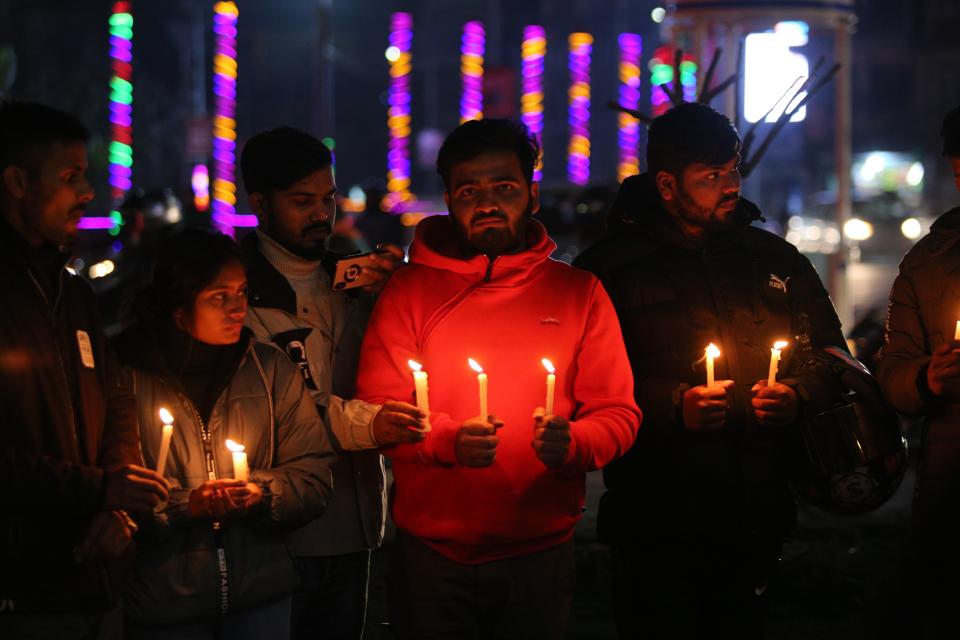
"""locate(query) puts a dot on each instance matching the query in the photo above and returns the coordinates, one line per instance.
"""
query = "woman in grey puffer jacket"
(212, 563)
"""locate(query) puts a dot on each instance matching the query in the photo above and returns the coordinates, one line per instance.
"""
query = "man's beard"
(496, 241)
(707, 219)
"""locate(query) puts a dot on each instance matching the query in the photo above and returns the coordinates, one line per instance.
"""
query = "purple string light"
(471, 71)
(629, 127)
(398, 110)
(578, 149)
(224, 120)
(532, 52)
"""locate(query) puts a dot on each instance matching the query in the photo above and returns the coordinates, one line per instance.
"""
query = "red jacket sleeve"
(391, 340)
(607, 418)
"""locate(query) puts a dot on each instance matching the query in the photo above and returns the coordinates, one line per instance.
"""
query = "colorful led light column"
(628, 126)
(661, 73)
(471, 71)
(398, 111)
(121, 108)
(578, 149)
(532, 51)
(225, 112)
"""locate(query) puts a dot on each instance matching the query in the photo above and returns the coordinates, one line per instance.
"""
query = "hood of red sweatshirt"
(436, 245)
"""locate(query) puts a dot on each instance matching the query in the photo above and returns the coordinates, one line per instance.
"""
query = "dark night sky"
(62, 54)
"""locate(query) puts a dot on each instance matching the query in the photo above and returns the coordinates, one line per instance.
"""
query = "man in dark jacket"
(699, 507)
(920, 373)
(68, 434)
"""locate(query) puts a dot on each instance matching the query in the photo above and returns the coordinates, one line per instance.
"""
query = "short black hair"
(185, 265)
(477, 137)
(690, 133)
(276, 159)
(29, 127)
(950, 132)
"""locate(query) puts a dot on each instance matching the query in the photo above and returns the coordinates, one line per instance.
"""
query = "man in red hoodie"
(485, 505)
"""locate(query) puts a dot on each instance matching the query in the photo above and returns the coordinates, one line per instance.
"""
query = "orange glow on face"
(474, 365)
(548, 366)
(233, 446)
(413, 364)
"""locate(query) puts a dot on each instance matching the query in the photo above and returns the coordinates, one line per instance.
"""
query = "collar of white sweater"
(290, 265)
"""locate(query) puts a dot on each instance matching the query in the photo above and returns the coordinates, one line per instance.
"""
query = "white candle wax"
(551, 386)
(774, 362)
(240, 469)
(712, 352)
(422, 391)
(167, 420)
(482, 385)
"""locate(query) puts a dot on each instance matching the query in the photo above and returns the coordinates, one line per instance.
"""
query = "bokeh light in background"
(661, 73)
(628, 126)
(200, 183)
(471, 71)
(224, 120)
(578, 149)
(398, 109)
(532, 53)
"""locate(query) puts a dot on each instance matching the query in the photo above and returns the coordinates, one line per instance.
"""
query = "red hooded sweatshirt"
(507, 315)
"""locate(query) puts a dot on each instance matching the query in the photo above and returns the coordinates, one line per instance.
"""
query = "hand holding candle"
(775, 362)
(711, 353)
(422, 392)
(167, 420)
(240, 469)
(551, 386)
(482, 383)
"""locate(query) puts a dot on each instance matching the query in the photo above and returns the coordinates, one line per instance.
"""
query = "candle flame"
(474, 365)
(233, 446)
(413, 364)
(712, 351)
(548, 366)
(165, 416)
(780, 344)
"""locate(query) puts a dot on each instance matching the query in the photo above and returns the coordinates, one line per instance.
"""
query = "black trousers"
(331, 602)
(702, 588)
(434, 598)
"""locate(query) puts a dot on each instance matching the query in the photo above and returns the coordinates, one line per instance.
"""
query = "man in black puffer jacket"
(698, 509)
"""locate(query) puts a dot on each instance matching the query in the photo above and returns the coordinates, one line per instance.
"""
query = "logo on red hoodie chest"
(549, 322)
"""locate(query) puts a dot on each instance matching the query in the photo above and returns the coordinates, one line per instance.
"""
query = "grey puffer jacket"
(266, 407)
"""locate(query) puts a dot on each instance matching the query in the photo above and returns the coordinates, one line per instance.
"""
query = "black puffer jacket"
(743, 291)
(64, 419)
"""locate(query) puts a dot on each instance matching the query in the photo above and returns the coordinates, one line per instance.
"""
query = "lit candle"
(956, 332)
(167, 420)
(420, 383)
(712, 352)
(551, 385)
(482, 382)
(240, 469)
(775, 361)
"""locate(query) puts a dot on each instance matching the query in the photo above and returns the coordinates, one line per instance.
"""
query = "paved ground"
(838, 579)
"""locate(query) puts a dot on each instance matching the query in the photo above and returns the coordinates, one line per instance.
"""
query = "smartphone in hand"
(352, 272)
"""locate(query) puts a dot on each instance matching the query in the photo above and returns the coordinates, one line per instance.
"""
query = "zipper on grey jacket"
(207, 439)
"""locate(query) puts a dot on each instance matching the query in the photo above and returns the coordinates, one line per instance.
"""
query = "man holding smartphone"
(288, 175)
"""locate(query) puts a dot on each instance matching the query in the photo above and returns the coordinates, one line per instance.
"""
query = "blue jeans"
(332, 600)
(271, 620)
